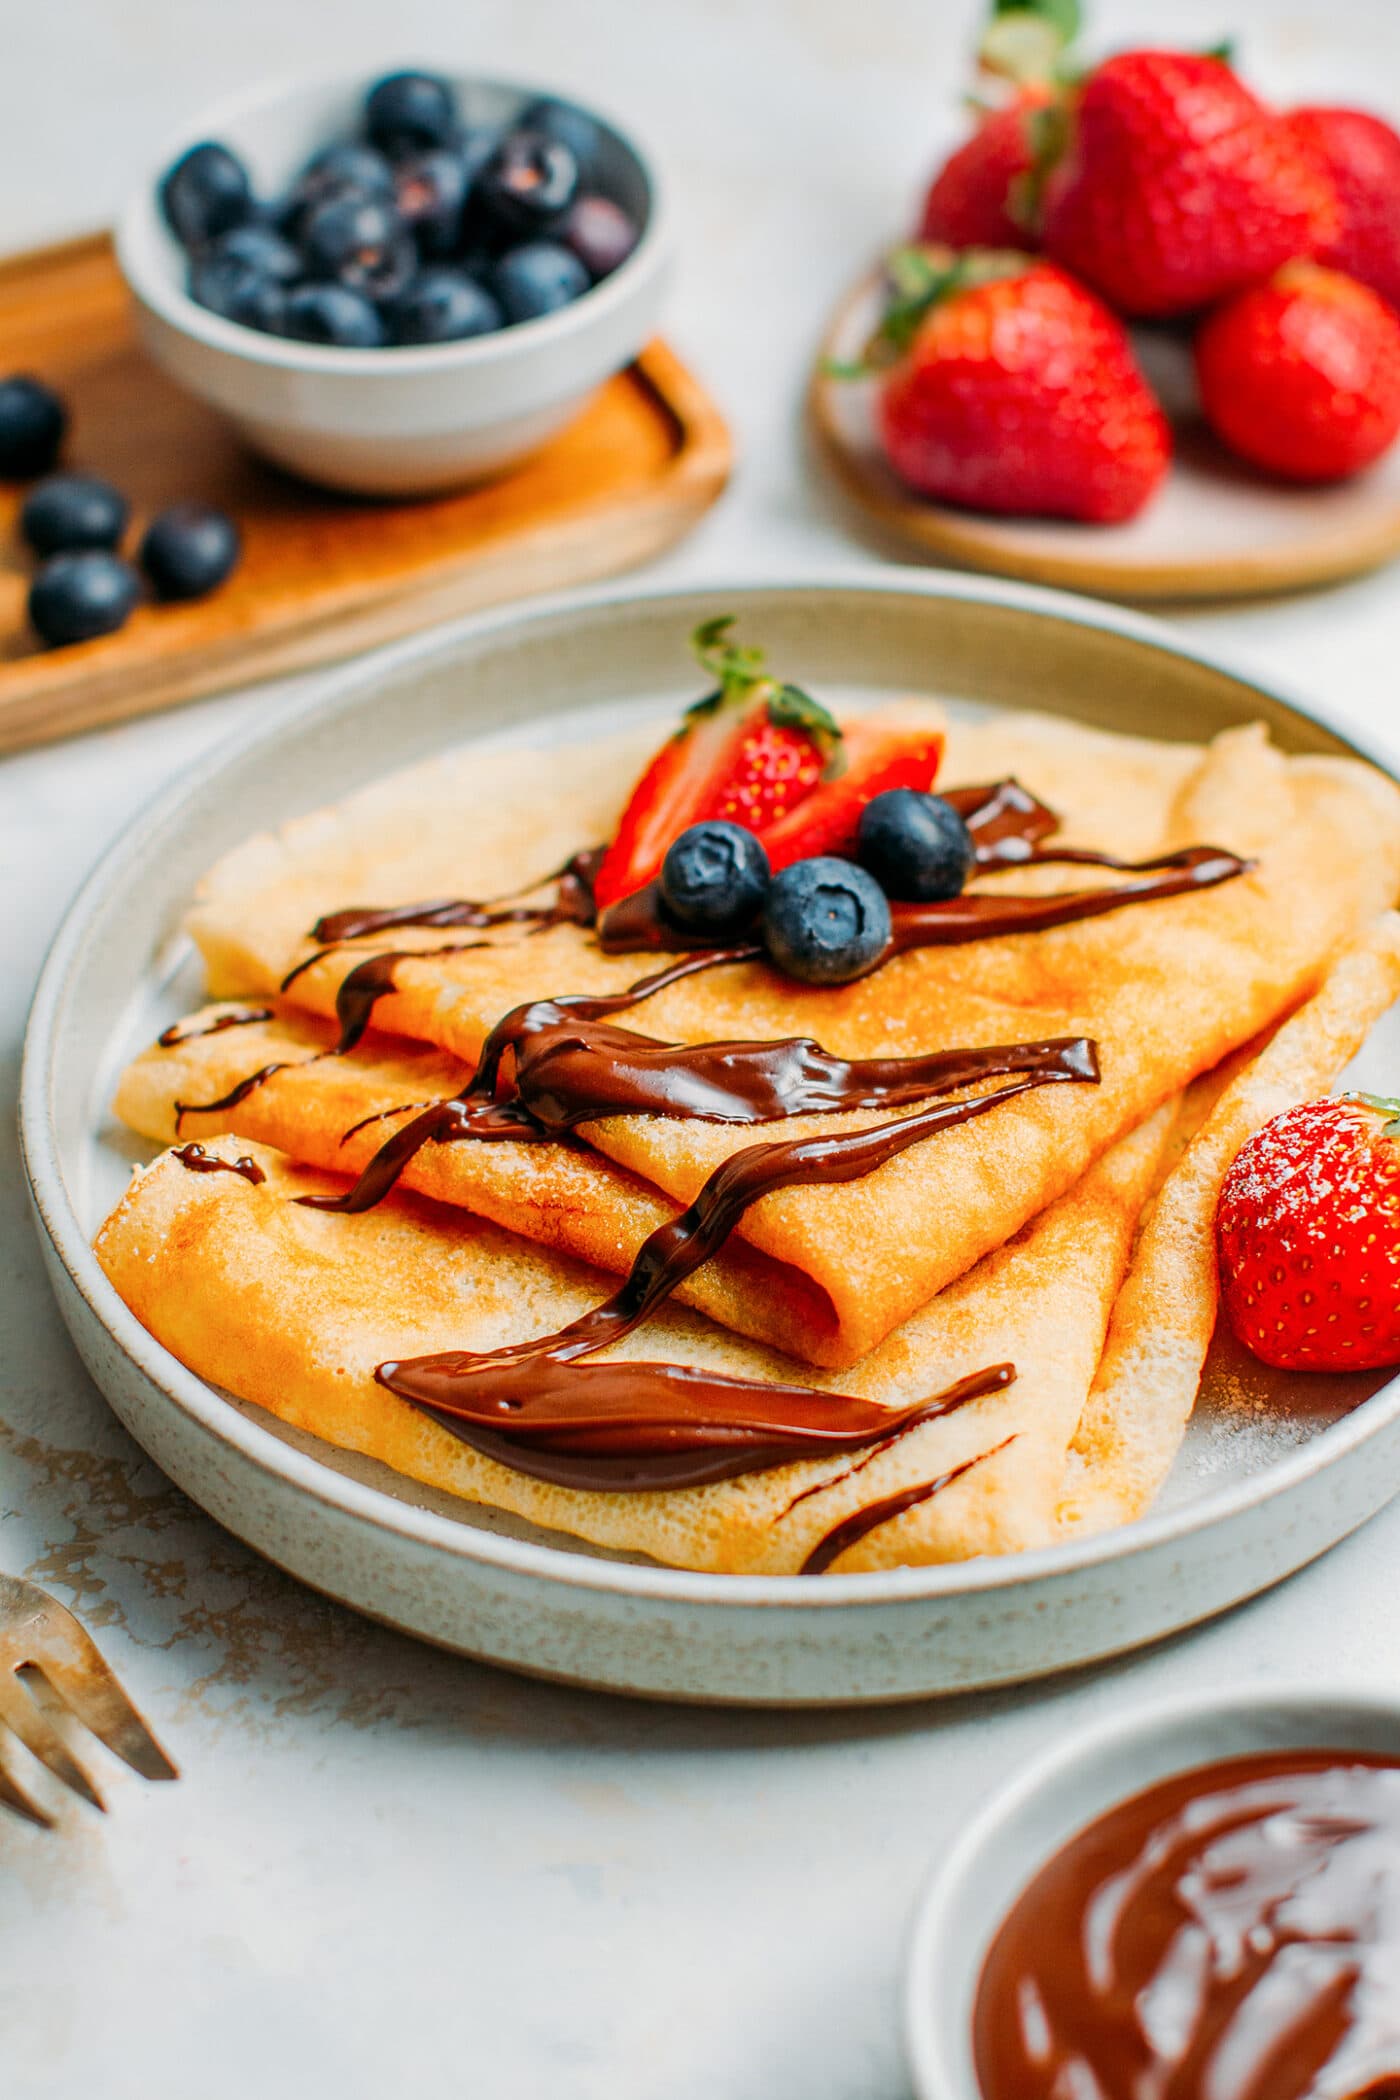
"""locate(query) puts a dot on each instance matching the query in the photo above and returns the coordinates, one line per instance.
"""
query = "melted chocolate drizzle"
(232, 1098)
(1250, 1904)
(855, 1527)
(198, 1161)
(235, 1017)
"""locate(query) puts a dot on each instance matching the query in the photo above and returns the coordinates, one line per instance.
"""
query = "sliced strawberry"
(879, 752)
(749, 752)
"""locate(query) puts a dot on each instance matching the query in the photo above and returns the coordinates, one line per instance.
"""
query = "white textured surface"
(387, 1871)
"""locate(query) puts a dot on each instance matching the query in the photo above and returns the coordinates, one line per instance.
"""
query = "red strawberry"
(879, 752)
(1308, 1230)
(971, 201)
(1302, 375)
(1017, 391)
(1179, 186)
(749, 751)
(1362, 156)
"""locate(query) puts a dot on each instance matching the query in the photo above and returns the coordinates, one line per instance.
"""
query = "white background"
(386, 1871)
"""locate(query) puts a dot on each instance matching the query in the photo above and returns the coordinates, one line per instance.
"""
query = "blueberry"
(333, 314)
(73, 511)
(538, 279)
(237, 290)
(336, 169)
(444, 305)
(189, 550)
(916, 846)
(570, 126)
(528, 183)
(715, 878)
(409, 112)
(32, 422)
(431, 193)
(826, 921)
(600, 233)
(262, 248)
(206, 192)
(76, 597)
(361, 243)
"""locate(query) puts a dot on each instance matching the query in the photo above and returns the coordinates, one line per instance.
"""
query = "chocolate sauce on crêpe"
(232, 1017)
(198, 1161)
(1233, 1933)
(477, 1393)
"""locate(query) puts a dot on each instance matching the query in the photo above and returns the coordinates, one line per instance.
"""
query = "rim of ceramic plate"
(340, 690)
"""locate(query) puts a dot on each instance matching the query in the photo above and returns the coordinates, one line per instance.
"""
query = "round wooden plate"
(1215, 530)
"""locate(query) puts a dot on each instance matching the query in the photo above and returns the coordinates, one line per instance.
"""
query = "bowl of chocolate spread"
(1200, 1901)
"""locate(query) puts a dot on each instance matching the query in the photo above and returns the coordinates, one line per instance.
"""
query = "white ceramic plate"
(1274, 1470)
(974, 1886)
(1216, 529)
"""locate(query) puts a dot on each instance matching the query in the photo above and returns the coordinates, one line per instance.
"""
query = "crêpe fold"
(292, 1309)
(1166, 989)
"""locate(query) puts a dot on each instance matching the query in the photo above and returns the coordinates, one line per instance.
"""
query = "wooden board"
(1215, 530)
(323, 575)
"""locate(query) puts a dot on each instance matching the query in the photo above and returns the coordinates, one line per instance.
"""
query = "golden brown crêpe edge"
(1167, 989)
(1147, 1383)
(291, 1309)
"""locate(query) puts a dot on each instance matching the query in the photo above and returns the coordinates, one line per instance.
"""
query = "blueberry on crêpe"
(915, 845)
(826, 920)
(714, 879)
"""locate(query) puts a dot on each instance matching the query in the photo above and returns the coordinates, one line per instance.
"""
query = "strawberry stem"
(917, 280)
(1385, 1105)
(742, 677)
(1026, 40)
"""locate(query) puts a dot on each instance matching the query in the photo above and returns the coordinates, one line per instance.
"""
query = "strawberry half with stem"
(749, 752)
(1308, 1232)
(880, 752)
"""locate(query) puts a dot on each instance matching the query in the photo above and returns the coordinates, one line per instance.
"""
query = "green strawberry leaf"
(917, 280)
(738, 670)
(790, 708)
(1026, 40)
(1384, 1105)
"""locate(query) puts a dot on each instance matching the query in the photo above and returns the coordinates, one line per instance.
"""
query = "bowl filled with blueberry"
(400, 285)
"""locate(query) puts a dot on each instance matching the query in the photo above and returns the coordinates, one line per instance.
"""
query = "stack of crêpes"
(989, 1340)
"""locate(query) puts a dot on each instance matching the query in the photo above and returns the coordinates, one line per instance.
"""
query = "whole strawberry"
(1308, 1231)
(972, 200)
(1302, 375)
(1361, 155)
(1178, 186)
(1014, 390)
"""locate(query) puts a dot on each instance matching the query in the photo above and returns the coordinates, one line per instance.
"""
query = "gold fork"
(38, 1637)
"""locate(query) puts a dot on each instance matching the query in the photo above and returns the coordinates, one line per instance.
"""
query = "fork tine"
(13, 1796)
(41, 1739)
(88, 1689)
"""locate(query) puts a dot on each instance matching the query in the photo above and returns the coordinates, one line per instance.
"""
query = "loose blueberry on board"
(73, 511)
(445, 305)
(600, 233)
(430, 190)
(826, 921)
(409, 112)
(189, 550)
(32, 422)
(334, 315)
(538, 278)
(206, 192)
(76, 597)
(237, 290)
(715, 878)
(528, 183)
(915, 845)
(571, 126)
(335, 169)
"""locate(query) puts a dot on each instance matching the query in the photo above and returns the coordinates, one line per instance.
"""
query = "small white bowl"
(986, 1869)
(399, 421)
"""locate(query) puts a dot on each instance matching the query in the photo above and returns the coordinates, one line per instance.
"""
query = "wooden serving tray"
(1216, 530)
(322, 575)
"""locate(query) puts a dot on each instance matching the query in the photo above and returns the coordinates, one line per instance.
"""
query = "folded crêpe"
(1167, 989)
(567, 1197)
(293, 1308)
